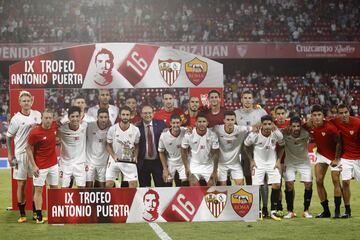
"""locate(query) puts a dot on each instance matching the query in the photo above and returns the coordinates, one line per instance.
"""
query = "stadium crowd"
(178, 20)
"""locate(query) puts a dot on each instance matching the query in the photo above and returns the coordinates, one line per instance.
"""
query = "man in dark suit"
(148, 159)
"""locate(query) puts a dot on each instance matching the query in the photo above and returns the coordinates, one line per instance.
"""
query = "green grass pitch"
(297, 228)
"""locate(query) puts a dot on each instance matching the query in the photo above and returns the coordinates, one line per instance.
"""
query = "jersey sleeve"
(137, 136)
(243, 129)
(250, 139)
(110, 135)
(278, 135)
(13, 128)
(215, 141)
(186, 141)
(32, 137)
(161, 147)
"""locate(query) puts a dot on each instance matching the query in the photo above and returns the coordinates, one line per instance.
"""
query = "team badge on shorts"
(241, 202)
(196, 70)
(170, 70)
(216, 201)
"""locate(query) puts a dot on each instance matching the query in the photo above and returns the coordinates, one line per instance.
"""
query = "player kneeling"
(295, 144)
(41, 152)
(265, 161)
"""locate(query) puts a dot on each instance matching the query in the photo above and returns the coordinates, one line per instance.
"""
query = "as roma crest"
(170, 70)
(216, 201)
(196, 70)
(241, 202)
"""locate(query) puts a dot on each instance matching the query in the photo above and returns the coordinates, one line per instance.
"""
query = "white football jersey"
(20, 126)
(113, 112)
(230, 143)
(264, 147)
(200, 146)
(296, 149)
(253, 117)
(96, 153)
(123, 142)
(73, 144)
(172, 146)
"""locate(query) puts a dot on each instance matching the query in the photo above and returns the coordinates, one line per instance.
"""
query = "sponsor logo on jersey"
(241, 202)
(170, 70)
(216, 201)
(196, 70)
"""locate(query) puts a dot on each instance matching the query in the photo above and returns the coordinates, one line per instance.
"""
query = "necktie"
(150, 142)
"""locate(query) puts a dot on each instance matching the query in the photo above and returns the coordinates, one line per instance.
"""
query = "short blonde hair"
(25, 93)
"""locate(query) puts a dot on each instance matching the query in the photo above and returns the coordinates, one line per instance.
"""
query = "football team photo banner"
(126, 205)
(116, 65)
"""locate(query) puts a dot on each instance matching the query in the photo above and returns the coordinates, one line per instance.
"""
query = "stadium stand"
(178, 20)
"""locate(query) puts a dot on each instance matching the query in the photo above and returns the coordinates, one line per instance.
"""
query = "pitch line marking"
(159, 231)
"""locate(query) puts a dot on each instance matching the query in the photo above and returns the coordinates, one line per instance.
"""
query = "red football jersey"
(165, 116)
(190, 121)
(350, 134)
(284, 125)
(215, 119)
(325, 139)
(44, 142)
(135, 119)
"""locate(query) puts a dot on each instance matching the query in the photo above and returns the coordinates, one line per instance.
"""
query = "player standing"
(104, 99)
(96, 154)
(249, 116)
(350, 158)
(122, 144)
(296, 160)
(328, 141)
(19, 128)
(281, 122)
(192, 111)
(73, 149)
(168, 109)
(170, 151)
(265, 161)
(215, 114)
(231, 137)
(41, 152)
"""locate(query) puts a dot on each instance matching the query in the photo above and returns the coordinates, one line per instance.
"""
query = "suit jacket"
(158, 127)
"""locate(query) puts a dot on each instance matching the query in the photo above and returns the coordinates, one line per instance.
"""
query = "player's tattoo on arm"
(9, 146)
(215, 153)
(248, 151)
(339, 144)
(163, 160)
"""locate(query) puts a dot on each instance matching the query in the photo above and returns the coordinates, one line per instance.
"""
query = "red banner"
(215, 50)
(120, 205)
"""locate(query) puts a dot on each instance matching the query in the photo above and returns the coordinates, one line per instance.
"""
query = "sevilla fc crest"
(216, 201)
(241, 202)
(196, 70)
(351, 132)
(242, 50)
(170, 70)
